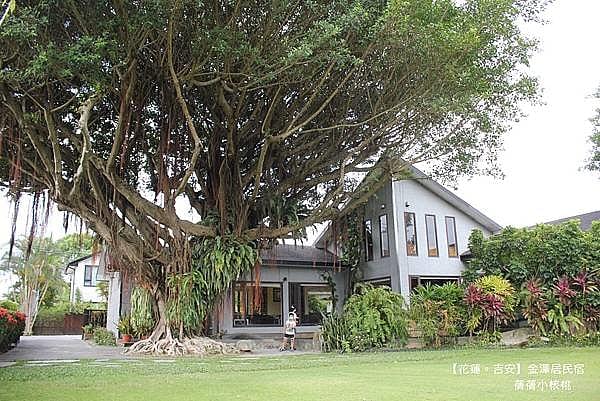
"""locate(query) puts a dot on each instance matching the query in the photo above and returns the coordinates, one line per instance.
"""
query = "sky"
(543, 153)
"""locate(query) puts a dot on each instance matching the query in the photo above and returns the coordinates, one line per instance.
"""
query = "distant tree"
(39, 269)
(593, 163)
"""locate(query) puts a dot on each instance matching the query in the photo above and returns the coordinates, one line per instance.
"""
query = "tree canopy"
(256, 115)
(544, 252)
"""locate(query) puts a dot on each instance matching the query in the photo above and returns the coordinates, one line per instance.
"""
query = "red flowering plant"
(490, 303)
(534, 304)
(12, 325)
(562, 290)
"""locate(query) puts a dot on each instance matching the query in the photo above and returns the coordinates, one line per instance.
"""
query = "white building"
(414, 233)
(84, 274)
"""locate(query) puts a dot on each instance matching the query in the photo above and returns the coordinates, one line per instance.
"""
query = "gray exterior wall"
(382, 267)
(399, 267)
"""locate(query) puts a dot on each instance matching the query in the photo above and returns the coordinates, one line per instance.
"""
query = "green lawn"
(410, 375)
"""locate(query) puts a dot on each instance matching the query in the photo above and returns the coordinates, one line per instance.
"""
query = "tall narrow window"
(451, 235)
(89, 275)
(430, 227)
(384, 239)
(410, 228)
(368, 240)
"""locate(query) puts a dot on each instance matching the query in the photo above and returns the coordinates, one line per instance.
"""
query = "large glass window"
(451, 235)
(368, 240)
(384, 238)
(380, 282)
(416, 281)
(430, 227)
(257, 306)
(311, 301)
(410, 228)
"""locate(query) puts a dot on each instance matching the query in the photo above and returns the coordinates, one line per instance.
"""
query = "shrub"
(124, 325)
(9, 305)
(104, 337)
(372, 318)
(545, 252)
(438, 311)
(567, 307)
(12, 325)
(490, 302)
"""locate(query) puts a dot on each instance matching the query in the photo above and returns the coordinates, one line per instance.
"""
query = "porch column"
(285, 299)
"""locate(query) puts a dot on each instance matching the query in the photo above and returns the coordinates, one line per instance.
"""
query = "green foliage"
(216, 263)
(9, 305)
(567, 307)
(142, 312)
(102, 336)
(102, 288)
(125, 326)
(352, 245)
(593, 163)
(374, 317)
(546, 252)
(439, 312)
(563, 324)
(490, 302)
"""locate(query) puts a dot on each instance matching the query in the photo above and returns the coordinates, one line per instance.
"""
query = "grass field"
(410, 375)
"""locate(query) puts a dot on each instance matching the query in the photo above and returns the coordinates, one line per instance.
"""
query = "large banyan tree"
(256, 115)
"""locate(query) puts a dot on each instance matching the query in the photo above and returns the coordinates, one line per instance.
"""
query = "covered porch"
(303, 277)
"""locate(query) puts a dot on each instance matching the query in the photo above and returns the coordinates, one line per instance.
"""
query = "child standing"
(289, 332)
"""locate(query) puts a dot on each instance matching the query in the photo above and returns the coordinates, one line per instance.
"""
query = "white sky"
(544, 153)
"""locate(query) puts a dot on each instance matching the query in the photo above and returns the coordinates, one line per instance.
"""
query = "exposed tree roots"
(188, 346)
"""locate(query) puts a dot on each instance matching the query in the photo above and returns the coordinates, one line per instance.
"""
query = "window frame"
(300, 308)
(368, 241)
(93, 281)
(446, 218)
(268, 284)
(437, 243)
(416, 236)
(418, 279)
(387, 236)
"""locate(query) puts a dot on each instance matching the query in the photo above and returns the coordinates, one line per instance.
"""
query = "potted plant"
(88, 331)
(125, 329)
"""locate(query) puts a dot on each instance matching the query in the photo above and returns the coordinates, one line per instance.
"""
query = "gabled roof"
(454, 200)
(443, 193)
(298, 255)
(585, 220)
(72, 264)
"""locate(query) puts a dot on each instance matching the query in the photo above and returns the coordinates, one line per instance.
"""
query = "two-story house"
(414, 233)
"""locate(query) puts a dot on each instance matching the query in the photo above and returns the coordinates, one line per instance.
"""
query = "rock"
(516, 337)
(245, 345)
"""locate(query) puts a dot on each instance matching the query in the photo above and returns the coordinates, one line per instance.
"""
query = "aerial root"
(200, 346)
